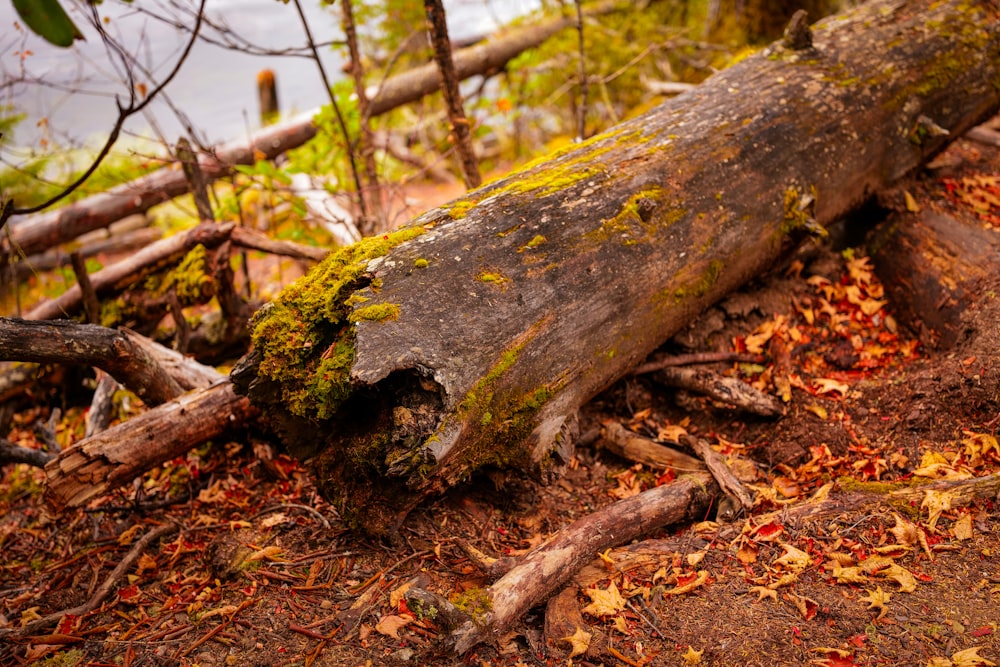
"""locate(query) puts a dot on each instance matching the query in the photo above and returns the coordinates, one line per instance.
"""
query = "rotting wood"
(469, 338)
(933, 265)
(490, 611)
(116, 456)
(41, 232)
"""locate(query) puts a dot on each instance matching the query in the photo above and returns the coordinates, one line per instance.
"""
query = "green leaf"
(49, 20)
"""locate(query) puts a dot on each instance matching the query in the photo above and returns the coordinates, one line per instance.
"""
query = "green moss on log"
(305, 337)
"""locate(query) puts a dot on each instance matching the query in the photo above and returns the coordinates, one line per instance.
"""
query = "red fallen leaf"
(668, 476)
(685, 579)
(858, 640)
(67, 624)
(769, 531)
(129, 593)
(982, 631)
(923, 577)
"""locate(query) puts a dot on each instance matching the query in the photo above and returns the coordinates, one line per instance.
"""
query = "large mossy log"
(471, 337)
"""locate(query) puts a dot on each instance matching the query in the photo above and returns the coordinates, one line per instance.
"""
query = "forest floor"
(257, 569)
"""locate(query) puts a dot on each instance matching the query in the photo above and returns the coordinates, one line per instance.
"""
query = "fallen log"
(39, 233)
(404, 363)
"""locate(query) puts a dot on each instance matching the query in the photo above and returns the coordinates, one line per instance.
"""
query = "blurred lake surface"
(215, 88)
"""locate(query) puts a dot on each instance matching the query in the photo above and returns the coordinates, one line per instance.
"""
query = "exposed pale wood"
(628, 445)
(114, 457)
(520, 301)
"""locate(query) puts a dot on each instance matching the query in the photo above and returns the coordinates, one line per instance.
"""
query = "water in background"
(215, 88)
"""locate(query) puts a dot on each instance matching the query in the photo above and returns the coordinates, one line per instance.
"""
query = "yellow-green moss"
(554, 172)
(420, 263)
(376, 312)
(457, 210)
(305, 339)
(799, 217)
(533, 243)
(476, 602)
(189, 280)
(491, 277)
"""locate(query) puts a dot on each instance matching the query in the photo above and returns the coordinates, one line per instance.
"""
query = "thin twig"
(124, 113)
(362, 207)
(698, 358)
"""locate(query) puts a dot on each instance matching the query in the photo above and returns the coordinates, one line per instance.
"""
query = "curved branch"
(124, 113)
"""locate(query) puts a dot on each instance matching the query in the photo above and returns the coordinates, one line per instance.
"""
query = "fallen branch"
(119, 454)
(150, 259)
(726, 390)
(720, 470)
(622, 442)
(553, 563)
(114, 351)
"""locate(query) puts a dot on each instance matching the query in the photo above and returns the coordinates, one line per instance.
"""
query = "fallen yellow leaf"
(969, 657)
(907, 582)
(579, 640)
(604, 602)
(793, 559)
(877, 599)
(692, 657)
(764, 592)
(962, 528)
(391, 624)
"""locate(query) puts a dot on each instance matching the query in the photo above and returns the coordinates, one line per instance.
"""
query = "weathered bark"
(39, 233)
(114, 457)
(470, 338)
(933, 266)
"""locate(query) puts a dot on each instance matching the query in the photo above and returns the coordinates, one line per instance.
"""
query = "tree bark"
(460, 129)
(471, 338)
(39, 233)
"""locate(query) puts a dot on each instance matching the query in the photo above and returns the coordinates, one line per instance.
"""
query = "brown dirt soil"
(261, 571)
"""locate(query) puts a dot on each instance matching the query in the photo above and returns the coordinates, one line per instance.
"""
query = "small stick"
(698, 358)
(91, 305)
(720, 470)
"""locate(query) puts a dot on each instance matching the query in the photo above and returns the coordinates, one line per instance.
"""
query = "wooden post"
(267, 93)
